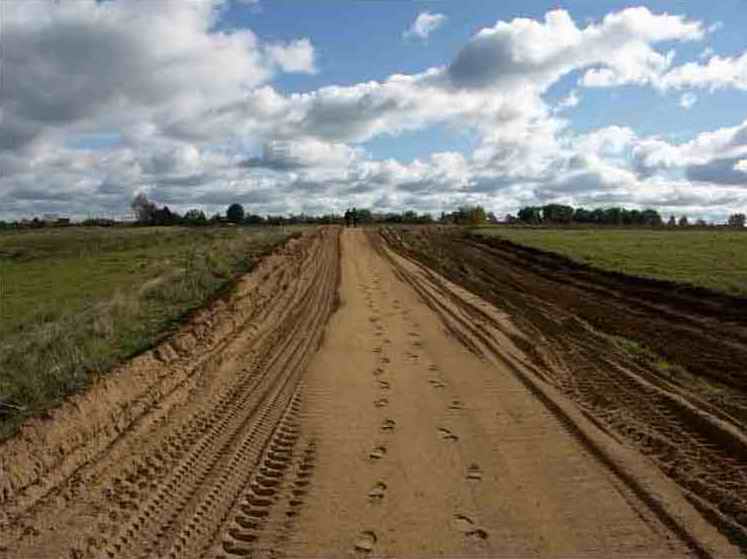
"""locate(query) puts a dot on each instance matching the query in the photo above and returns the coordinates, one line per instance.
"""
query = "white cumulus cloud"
(425, 24)
(688, 100)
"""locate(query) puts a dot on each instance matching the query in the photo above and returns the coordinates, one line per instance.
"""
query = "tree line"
(559, 214)
(147, 212)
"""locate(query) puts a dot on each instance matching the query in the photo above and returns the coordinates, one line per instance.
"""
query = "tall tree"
(144, 209)
(235, 213)
(737, 220)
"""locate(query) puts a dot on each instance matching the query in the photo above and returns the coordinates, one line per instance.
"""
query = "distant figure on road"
(348, 218)
(354, 217)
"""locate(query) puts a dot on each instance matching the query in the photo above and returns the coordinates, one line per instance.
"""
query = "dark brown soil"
(663, 366)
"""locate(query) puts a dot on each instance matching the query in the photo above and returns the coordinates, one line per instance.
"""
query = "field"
(75, 301)
(715, 259)
(402, 392)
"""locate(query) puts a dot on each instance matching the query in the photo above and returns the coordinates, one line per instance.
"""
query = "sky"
(291, 106)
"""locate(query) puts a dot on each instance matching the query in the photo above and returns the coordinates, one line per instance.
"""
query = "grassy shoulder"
(715, 259)
(75, 302)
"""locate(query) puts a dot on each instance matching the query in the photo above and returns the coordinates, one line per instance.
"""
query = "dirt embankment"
(153, 458)
(688, 413)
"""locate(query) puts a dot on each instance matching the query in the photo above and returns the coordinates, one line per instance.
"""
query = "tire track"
(229, 450)
(172, 496)
(613, 397)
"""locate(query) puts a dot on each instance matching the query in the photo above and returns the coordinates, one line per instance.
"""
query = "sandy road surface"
(418, 429)
(426, 449)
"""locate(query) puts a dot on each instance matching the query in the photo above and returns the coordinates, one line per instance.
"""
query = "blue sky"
(294, 105)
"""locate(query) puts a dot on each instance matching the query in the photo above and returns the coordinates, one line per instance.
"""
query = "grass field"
(714, 259)
(74, 302)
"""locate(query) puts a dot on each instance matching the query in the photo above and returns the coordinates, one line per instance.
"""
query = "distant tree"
(235, 213)
(164, 216)
(144, 209)
(581, 215)
(613, 216)
(492, 218)
(650, 217)
(471, 215)
(254, 219)
(701, 223)
(672, 221)
(557, 213)
(598, 216)
(409, 217)
(683, 221)
(195, 217)
(364, 216)
(531, 215)
(737, 220)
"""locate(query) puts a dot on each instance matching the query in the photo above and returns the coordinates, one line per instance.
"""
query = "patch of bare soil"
(150, 462)
(687, 415)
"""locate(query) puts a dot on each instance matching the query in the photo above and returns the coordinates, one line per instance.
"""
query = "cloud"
(296, 56)
(717, 73)
(688, 100)
(75, 66)
(570, 101)
(710, 158)
(195, 120)
(741, 166)
(618, 50)
(425, 24)
(301, 154)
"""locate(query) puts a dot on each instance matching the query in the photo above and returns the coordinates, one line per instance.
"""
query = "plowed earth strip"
(691, 424)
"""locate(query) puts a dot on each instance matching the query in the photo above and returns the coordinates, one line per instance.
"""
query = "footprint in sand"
(384, 385)
(365, 542)
(377, 492)
(456, 405)
(436, 383)
(388, 425)
(467, 527)
(378, 371)
(447, 435)
(377, 453)
(474, 473)
(381, 403)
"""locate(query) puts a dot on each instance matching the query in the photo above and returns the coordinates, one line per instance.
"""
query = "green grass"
(716, 259)
(74, 302)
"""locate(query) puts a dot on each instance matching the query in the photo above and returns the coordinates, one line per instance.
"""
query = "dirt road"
(419, 428)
